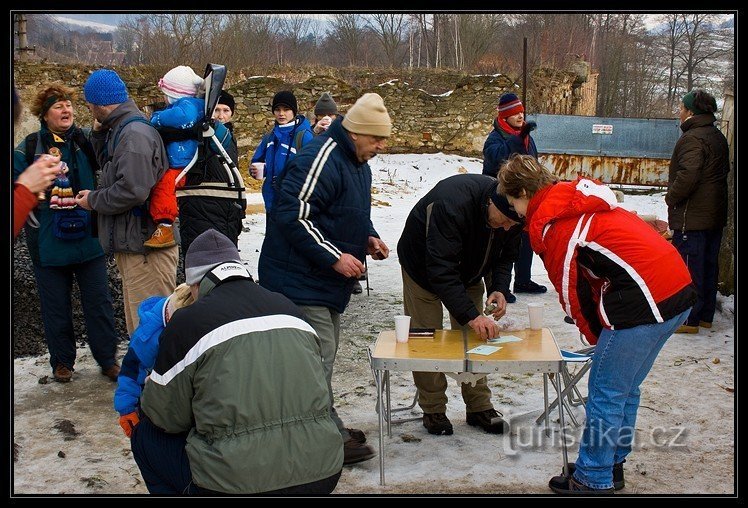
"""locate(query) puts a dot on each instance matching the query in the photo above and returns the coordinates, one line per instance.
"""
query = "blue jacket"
(500, 145)
(276, 150)
(45, 248)
(141, 355)
(182, 114)
(322, 209)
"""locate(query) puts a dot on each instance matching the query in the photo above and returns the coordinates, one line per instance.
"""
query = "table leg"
(389, 402)
(545, 404)
(562, 424)
(378, 374)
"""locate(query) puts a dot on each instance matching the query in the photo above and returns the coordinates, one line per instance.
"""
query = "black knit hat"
(286, 98)
(228, 100)
(504, 207)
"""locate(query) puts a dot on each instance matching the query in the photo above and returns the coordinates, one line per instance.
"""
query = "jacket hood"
(124, 109)
(565, 200)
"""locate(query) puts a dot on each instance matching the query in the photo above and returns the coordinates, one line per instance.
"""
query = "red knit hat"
(509, 105)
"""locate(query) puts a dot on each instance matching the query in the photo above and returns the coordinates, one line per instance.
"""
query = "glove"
(128, 422)
(527, 129)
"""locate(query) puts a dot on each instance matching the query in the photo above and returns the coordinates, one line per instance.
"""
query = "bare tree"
(388, 29)
(699, 47)
(347, 32)
(295, 28)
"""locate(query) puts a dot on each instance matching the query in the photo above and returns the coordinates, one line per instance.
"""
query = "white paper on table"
(504, 339)
(484, 350)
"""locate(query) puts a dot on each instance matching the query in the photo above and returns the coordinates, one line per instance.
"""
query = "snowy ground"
(68, 441)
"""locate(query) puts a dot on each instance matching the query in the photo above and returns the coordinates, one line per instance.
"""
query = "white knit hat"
(181, 82)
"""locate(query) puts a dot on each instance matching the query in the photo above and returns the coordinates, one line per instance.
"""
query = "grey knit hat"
(325, 106)
(208, 250)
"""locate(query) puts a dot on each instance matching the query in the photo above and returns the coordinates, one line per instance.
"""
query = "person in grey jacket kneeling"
(237, 402)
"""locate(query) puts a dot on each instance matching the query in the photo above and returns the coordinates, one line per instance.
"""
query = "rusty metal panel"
(620, 170)
(652, 138)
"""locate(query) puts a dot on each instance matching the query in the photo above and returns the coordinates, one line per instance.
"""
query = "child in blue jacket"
(279, 146)
(154, 313)
(182, 88)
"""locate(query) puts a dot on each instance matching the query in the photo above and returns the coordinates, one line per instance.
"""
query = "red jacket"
(610, 268)
(23, 202)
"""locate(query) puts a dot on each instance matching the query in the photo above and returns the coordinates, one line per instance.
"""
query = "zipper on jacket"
(488, 251)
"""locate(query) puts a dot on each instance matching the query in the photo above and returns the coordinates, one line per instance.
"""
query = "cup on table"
(402, 328)
(535, 313)
(259, 170)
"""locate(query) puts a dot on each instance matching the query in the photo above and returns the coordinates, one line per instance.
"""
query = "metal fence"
(633, 151)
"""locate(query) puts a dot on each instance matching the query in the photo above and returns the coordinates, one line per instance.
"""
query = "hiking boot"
(62, 374)
(569, 486)
(618, 480)
(353, 451)
(161, 238)
(490, 420)
(112, 372)
(705, 324)
(357, 435)
(437, 424)
(529, 287)
(687, 329)
(357, 289)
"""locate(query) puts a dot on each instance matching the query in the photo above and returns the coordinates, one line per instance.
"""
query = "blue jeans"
(621, 362)
(55, 286)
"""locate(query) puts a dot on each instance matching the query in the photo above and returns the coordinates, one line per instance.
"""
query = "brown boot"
(62, 374)
(687, 329)
(111, 372)
(161, 238)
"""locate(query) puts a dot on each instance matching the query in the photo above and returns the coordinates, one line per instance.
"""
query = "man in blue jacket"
(319, 232)
(511, 134)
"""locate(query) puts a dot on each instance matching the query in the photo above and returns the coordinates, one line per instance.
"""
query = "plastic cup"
(535, 313)
(260, 166)
(402, 328)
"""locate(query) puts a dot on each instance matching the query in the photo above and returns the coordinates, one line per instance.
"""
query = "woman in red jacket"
(626, 288)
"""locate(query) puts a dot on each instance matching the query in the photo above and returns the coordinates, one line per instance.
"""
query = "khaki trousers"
(143, 276)
(425, 311)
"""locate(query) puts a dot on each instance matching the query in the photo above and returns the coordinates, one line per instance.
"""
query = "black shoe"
(437, 423)
(490, 420)
(357, 289)
(357, 435)
(353, 451)
(569, 486)
(567, 319)
(618, 480)
(509, 297)
(529, 287)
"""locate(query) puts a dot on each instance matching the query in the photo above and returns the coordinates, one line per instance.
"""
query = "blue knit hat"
(105, 87)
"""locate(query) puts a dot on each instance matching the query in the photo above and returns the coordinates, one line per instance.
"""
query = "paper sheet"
(484, 350)
(504, 339)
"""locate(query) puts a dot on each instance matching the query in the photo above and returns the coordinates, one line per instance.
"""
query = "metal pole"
(524, 73)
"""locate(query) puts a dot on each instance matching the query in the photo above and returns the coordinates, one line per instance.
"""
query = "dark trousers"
(700, 251)
(165, 467)
(55, 286)
(524, 263)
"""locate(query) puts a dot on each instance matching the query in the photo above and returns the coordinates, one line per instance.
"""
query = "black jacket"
(447, 244)
(697, 191)
(206, 201)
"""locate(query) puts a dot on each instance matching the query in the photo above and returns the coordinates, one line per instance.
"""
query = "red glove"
(128, 422)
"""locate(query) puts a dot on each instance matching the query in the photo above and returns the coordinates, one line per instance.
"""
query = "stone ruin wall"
(432, 110)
